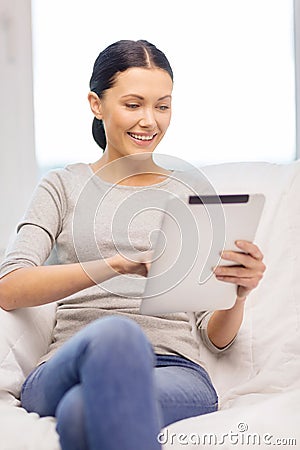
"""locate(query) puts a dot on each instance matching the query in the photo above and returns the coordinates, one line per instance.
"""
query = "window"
(233, 61)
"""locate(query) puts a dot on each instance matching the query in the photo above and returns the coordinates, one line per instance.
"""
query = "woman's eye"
(132, 105)
(163, 107)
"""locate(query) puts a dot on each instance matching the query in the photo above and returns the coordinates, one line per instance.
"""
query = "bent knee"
(70, 419)
(70, 408)
(119, 332)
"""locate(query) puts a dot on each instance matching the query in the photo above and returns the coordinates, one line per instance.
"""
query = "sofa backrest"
(24, 336)
(267, 348)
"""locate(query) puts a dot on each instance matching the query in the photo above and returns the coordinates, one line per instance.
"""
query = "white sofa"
(258, 378)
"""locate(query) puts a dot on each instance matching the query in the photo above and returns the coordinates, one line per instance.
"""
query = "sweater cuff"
(202, 323)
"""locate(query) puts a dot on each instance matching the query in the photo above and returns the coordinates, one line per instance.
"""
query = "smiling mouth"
(142, 137)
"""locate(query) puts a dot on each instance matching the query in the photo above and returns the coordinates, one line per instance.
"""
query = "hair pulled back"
(116, 58)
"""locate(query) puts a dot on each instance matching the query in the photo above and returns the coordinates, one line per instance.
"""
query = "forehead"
(141, 81)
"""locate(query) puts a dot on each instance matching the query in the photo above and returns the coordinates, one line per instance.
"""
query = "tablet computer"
(194, 231)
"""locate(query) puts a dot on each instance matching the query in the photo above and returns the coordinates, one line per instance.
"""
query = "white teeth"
(142, 138)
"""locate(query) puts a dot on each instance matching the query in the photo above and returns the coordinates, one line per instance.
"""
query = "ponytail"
(99, 133)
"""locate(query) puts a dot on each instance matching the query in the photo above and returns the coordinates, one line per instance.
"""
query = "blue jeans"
(109, 391)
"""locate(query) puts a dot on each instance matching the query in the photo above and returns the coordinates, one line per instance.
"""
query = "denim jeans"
(109, 391)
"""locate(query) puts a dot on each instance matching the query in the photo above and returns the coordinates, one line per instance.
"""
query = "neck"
(132, 170)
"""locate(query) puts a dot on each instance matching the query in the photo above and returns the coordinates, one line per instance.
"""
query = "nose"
(148, 118)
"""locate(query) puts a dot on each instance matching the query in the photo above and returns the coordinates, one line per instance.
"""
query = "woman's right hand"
(138, 263)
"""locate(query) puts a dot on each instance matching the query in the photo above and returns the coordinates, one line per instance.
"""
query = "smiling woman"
(132, 110)
(144, 371)
(143, 115)
(129, 92)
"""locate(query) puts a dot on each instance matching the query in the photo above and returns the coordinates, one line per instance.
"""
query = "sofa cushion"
(24, 336)
(263, 356)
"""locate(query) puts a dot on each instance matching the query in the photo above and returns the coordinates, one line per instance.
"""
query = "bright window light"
(233, 62)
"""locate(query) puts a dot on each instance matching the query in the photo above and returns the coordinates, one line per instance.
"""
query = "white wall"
(18, 169)
(233, 98)
(297, 72)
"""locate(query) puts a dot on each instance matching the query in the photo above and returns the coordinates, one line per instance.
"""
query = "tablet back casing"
(193, 233)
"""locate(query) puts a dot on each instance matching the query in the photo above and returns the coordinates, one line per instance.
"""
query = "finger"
(235, 271)
(243, 259)
(248, 283)
(249, 247)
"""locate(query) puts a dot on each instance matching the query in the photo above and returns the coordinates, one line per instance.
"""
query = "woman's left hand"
(247, 271)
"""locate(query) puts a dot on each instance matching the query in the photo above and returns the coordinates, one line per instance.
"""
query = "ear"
(95, 104)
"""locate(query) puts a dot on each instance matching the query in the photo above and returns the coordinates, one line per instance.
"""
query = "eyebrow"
(142, 98)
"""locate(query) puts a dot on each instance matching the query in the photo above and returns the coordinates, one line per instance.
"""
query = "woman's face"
(136, 111)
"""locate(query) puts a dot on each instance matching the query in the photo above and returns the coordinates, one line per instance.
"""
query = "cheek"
(165, 122)
(123, 121)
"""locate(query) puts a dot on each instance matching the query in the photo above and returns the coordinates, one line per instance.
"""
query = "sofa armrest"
(25, 335)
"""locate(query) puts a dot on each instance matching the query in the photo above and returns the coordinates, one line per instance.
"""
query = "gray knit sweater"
(75, 216)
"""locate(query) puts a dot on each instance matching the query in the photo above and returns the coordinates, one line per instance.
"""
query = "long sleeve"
(39, 228)
(202, 320)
